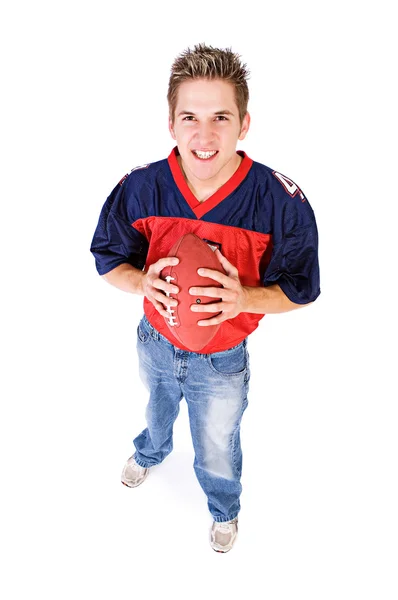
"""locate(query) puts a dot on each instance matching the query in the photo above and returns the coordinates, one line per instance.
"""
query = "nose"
(205, 134)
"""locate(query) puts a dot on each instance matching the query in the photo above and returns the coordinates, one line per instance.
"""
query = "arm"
(127, 278)
(236, 298)
(267, 300)
(130, 279)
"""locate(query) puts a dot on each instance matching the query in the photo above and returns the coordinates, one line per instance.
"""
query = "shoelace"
(225, 527)
(135, 465)
(172, 318)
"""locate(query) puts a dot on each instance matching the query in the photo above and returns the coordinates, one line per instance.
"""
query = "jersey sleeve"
(115, 241)
(294, 264)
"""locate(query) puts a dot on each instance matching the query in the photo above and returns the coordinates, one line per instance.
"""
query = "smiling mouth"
(204, 155)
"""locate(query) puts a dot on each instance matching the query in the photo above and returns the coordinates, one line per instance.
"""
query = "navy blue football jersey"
(259, 219)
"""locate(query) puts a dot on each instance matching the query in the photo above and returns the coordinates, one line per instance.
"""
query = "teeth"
(200, 154)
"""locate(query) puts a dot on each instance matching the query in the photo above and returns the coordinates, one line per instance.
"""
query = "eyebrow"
(218, 112)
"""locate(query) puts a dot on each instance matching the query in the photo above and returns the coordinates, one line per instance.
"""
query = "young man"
(266, 235)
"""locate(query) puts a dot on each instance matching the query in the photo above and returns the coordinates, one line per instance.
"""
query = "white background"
(83, 101)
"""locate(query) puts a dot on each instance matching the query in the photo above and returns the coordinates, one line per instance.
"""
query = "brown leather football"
(193, 253)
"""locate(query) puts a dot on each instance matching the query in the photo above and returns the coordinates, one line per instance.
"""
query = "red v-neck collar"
(201, 208)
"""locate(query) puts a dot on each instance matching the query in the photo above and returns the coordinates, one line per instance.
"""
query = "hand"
(155, 289)
(233, 295)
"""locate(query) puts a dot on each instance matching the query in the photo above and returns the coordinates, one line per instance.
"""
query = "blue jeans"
(215, 387)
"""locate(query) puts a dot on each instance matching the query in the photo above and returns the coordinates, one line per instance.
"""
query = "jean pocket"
(232, 362)
(143, 333)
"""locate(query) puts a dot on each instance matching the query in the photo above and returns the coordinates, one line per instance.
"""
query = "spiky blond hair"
(206, 62)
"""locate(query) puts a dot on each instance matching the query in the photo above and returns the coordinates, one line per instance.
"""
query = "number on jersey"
(289, 185)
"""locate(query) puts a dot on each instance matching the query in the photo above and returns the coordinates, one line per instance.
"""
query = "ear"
(245, 126)
(171, 129)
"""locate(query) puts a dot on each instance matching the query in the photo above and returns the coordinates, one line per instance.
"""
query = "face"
(207, 129)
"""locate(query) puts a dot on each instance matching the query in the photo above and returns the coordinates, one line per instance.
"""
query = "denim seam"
(233, 438)
(225, 519)
(143, 464)
(142, 336)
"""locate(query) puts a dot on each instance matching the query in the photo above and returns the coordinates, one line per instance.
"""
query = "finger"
(168, 261)
(228, 267)
(216, 275)
(211, 292)
(211, 307)
(161, 309)
(163, 299)
(213, 321)
(160, 284)
(164, 310)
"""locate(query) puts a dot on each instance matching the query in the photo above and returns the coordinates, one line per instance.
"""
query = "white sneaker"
(223, 535)
(132, 474)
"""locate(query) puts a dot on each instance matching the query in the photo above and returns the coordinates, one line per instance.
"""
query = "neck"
(202, 190)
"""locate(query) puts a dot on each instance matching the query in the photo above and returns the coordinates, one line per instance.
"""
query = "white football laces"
(171, 318)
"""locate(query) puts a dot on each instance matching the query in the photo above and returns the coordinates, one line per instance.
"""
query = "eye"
(221, 118)
(188, 118)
